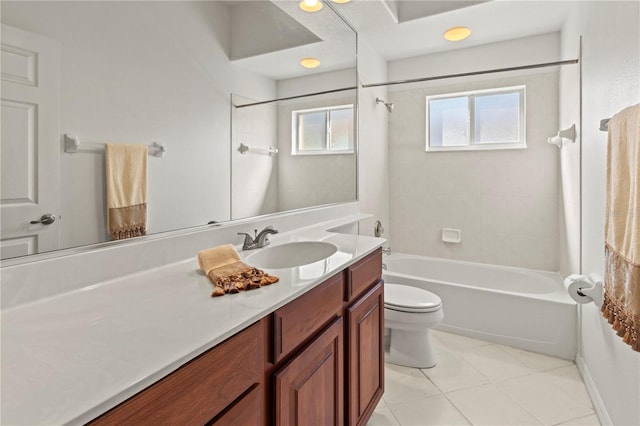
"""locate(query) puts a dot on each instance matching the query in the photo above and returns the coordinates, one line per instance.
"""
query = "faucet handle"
(248, 241)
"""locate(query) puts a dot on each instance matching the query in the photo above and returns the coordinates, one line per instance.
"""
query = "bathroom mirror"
(147, 71)
(308, 158)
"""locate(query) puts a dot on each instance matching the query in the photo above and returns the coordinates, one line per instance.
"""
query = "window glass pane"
(497, 118)
(312, 131)
(449, 121)
(341, 129)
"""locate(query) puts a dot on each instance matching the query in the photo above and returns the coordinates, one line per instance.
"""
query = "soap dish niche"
(450, 235)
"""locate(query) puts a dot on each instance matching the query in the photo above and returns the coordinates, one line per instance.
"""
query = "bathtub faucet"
(386, 250)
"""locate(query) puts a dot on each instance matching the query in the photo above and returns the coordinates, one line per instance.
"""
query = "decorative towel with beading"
(621, 304)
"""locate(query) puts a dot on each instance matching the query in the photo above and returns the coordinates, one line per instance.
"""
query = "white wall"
(139, 72)
(373, 148)
(505, 202)
(611, 82)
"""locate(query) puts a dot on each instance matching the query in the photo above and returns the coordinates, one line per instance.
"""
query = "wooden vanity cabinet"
(309, 389)
(201, 390)
(317, 360)
(365, 355)
(300, 319)
(322, 383)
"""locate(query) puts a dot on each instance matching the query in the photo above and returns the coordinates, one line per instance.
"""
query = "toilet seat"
(404, 298)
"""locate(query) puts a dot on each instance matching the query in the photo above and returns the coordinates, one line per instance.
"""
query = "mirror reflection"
(306, 159)
(163, 72)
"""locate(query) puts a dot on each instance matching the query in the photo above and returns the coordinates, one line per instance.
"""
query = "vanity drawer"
(364, 274)
(245, 412)
(301, 318)
(199, 390)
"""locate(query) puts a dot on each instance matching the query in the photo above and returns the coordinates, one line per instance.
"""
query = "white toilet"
(409, 314)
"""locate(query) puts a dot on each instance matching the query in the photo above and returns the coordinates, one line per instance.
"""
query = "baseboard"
(592, 390)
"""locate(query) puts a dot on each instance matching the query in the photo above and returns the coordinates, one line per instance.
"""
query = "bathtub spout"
(386, 250)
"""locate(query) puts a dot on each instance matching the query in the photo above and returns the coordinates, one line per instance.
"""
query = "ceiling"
(399, 29)
(420, 33)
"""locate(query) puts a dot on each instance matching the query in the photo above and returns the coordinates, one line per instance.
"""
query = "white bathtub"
(522, 308)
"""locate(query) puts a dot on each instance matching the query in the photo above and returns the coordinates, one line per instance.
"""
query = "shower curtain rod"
(467, 74)
(296, 97)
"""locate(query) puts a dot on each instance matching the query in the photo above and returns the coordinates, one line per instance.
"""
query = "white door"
(30, 143)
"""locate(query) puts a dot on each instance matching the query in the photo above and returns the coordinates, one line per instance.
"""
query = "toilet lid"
(410, 299)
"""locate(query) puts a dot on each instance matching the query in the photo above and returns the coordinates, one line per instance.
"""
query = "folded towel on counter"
(126, 177)
(622, 227)
(228, 273)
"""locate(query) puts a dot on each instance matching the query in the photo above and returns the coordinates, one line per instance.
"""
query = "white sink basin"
(290, 255)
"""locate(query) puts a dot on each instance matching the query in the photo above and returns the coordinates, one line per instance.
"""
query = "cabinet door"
(309, 389)
(365, 355)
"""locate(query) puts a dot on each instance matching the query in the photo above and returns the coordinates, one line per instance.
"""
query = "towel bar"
(244, 148)
(72, 145)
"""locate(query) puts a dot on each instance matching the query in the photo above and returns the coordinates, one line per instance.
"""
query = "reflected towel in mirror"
(126, 178)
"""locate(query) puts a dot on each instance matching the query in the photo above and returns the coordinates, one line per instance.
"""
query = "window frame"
(326, 151)
(480, 146)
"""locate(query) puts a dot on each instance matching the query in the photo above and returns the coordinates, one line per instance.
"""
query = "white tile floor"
(481, 383)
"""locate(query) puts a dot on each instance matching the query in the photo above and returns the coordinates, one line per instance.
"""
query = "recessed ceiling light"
(311, 5)
(457, 33)
(310, 62)
(341, 1)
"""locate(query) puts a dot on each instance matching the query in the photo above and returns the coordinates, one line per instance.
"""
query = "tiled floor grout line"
(394, 416)
(521, 406)
(525, 361)
(497, 382)
(571, 420)
(446, 396)
(568, 393)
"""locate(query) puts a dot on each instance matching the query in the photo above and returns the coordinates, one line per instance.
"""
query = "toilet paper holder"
(585, 288)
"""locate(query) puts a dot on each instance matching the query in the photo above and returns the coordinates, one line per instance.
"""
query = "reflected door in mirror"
(30, 143)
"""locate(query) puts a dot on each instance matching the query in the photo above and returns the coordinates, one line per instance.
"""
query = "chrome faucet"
(261, 239)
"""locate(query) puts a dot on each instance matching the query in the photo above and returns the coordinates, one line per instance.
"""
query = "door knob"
(46, 219)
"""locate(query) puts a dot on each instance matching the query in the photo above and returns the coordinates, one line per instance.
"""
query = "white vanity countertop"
(70, 358)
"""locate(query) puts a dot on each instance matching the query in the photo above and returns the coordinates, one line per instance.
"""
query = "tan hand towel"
(622, 226)
(126, 176)
(228, 273)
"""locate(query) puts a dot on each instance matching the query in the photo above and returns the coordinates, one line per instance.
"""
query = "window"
(484, 119)
(322, 131)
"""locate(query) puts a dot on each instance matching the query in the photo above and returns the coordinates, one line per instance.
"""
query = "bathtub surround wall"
(505, 202)
(160, 72)
(610, 70)
(373, 165)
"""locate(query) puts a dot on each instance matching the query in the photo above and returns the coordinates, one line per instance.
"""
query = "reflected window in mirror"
(327, 130)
